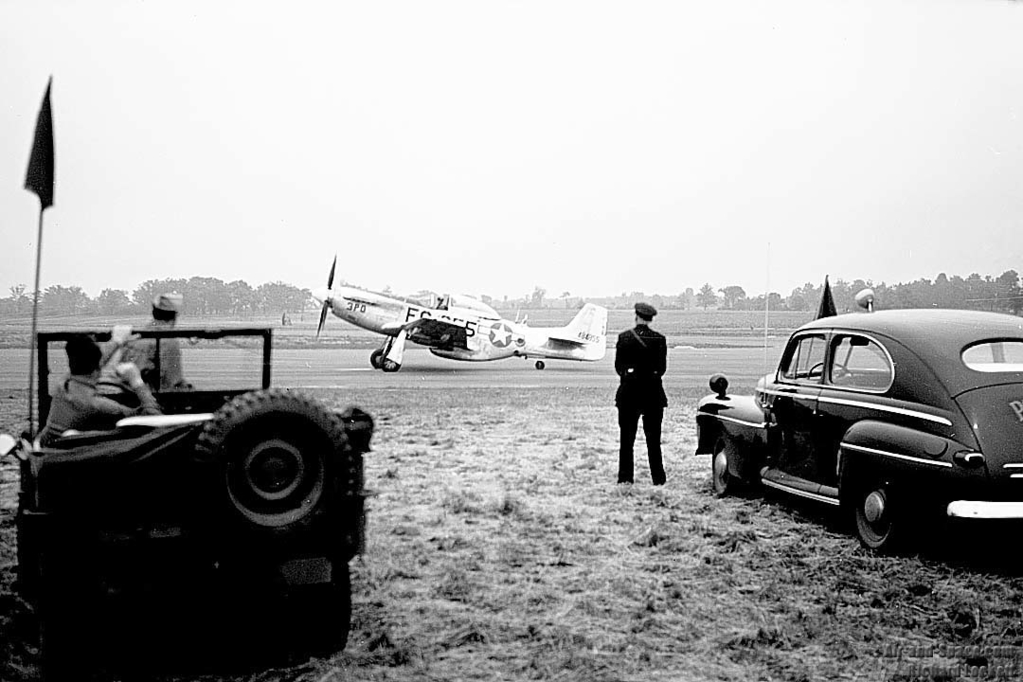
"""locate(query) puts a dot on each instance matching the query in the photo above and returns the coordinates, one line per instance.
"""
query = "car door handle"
(968, 460)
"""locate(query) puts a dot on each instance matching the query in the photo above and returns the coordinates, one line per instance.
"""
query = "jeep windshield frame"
(173, 402)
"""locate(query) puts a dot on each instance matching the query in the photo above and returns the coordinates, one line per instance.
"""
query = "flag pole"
(32, 338)
(767, 301)
(39, 179)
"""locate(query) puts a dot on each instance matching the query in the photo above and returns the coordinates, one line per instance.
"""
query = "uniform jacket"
(77, 405)
(641, 358)
(143, 353)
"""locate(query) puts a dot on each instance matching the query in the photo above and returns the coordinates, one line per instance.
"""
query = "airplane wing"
(436, 333)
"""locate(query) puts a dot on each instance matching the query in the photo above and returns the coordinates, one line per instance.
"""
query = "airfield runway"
(688, 369)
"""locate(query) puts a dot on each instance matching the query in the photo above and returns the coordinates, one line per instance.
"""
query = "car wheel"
(722, 479)
(876, 517)
(374, 358)
(272, 451)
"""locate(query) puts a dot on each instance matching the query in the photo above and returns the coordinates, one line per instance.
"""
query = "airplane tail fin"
(584, 338)
(589, 325)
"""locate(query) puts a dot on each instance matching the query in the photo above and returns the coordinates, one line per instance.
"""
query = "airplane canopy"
(466, 302)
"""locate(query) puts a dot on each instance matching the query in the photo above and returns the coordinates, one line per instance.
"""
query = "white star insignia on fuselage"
(500, 335)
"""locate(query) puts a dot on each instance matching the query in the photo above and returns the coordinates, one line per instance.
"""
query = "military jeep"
(219, 531)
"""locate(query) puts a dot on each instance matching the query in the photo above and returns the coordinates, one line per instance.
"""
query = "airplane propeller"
(326, 302)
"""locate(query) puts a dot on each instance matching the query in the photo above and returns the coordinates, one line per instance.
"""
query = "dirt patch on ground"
(499, 548)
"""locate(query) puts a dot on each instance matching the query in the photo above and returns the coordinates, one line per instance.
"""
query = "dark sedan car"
(897, 416)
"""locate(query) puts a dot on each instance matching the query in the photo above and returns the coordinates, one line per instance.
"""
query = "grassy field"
(499, 548)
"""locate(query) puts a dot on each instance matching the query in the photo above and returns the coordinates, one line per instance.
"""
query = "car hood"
(995, 414)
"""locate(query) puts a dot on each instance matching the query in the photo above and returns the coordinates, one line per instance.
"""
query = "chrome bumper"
(980, 509)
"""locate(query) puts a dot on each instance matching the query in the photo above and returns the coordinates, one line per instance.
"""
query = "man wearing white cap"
(143, 352)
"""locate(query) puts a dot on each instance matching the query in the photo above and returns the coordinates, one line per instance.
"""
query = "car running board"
(787, 483)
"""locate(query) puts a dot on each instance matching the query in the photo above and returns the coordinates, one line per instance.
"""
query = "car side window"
(805, 361)
(859, 362)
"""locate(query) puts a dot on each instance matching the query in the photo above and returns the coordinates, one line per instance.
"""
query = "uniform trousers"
(628, 422)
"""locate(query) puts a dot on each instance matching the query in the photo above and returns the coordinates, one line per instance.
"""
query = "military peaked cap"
(646, 311)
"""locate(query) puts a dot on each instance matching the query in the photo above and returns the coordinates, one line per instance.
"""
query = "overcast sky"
(492, 147)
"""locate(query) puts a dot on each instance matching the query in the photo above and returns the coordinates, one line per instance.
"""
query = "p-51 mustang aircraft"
(460, 328)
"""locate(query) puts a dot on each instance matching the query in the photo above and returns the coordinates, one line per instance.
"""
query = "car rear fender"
(876, 449)
(995, 415)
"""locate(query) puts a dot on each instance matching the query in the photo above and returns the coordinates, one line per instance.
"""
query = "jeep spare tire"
(271, 451)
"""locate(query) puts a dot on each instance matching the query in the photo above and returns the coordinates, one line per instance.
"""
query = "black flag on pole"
(827, 305)
(39, 178)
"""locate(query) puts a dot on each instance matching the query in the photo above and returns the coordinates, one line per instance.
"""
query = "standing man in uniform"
(144, 352)
(641, 358)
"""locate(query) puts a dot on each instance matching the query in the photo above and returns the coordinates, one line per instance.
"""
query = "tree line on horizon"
(209, 296)
(203, 296)
(998, 294)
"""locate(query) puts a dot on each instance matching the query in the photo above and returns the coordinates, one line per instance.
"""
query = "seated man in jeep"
(78, 405)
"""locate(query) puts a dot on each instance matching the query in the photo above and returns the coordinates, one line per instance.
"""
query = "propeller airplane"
(459, 328)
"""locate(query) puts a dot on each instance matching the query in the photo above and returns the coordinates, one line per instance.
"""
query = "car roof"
(940, 328)
(937, 336)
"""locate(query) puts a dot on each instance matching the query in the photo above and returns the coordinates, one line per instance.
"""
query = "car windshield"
(995, 356)
(805, 360)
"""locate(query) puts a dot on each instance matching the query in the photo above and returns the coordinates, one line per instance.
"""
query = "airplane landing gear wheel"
(390, 366)
(374, 358)
(540, 364)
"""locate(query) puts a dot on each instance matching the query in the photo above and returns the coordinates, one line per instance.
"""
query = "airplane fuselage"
(367, 310)
(387, 315)
(494, 339)
(464, 329)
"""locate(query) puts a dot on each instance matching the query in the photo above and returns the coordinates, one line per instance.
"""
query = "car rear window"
(995, 356)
